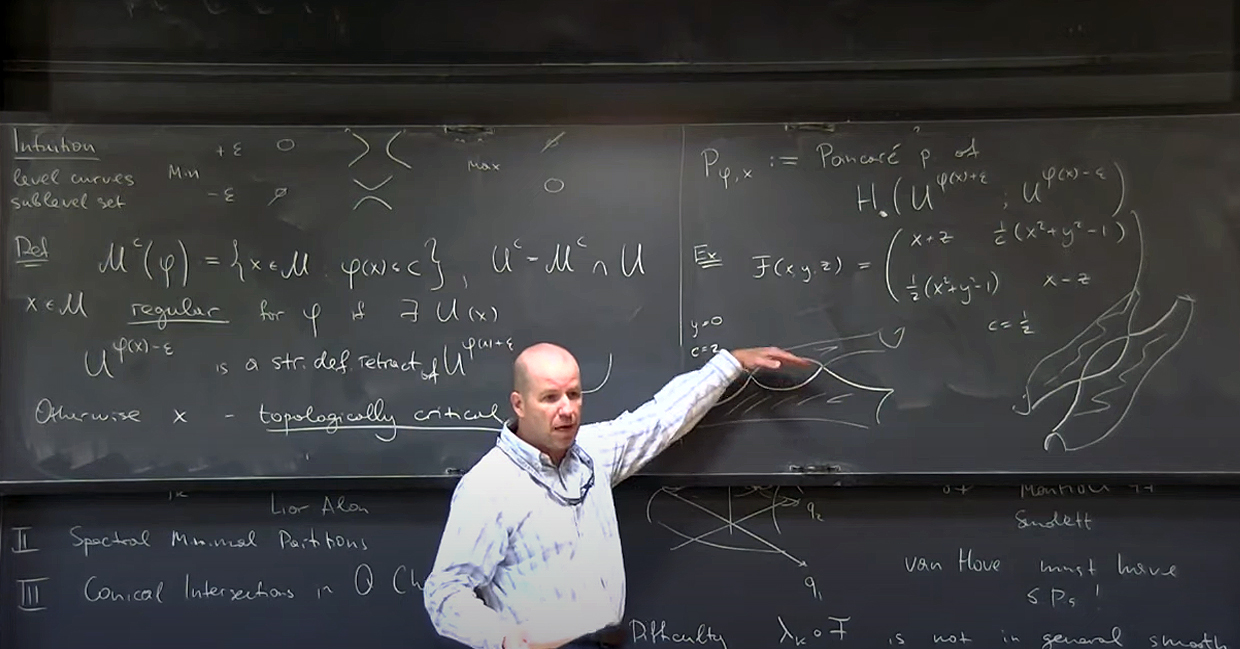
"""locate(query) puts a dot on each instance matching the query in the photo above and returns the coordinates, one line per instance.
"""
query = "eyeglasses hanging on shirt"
(539, 473)
(587, 464)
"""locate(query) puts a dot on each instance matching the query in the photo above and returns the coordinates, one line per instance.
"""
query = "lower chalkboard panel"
(728, 568)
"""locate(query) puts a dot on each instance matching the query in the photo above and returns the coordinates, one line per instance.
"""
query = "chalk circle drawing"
(820, 393)
(1105, 365)
(746, 522)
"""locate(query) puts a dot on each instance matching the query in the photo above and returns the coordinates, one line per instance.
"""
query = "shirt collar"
(569, 483)
(522, 452)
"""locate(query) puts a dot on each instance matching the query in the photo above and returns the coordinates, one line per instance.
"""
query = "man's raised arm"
(635, 438)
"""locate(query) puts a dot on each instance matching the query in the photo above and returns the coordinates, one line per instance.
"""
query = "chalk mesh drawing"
(1105, 365)
(820, 393)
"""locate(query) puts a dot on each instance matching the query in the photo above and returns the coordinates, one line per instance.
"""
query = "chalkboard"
(200, 302)
(1053, 567)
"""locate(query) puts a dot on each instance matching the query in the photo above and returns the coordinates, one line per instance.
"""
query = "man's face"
(549, 410)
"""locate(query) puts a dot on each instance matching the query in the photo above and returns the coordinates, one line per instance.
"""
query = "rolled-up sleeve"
(474, 542)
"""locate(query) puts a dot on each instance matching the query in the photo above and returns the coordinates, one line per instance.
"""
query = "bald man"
(530, 557)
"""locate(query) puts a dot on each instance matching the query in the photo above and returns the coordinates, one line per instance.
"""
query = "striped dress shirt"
(531, 544)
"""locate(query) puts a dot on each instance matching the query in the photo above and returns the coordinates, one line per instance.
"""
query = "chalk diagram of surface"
(820, 393)
(747, 522)
(1105, 365)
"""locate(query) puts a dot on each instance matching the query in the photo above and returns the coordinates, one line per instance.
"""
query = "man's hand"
(771, 358)
(517, 638)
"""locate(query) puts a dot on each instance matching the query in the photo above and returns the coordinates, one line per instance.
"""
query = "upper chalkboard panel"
(1031, 297)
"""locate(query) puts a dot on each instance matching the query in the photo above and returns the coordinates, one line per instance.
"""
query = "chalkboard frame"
(1208, 481)
(802, 476)
(782, 114)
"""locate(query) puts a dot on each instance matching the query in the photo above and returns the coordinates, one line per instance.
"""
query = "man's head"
(546, 397)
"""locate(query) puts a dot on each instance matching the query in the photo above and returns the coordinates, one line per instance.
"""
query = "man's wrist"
(727, 363)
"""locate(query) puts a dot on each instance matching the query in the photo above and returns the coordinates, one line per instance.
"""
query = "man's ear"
(514, 399)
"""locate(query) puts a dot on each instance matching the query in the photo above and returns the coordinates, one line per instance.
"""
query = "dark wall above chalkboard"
(606, 62)
(379, 32)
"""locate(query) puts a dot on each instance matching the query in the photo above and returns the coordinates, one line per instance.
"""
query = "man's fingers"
(784, 355)
(517, 640)
(770, 358)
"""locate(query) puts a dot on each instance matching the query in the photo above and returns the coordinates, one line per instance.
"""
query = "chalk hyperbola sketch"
(371, 189)
(1105, 365)
(820, 393)
(743, 522)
